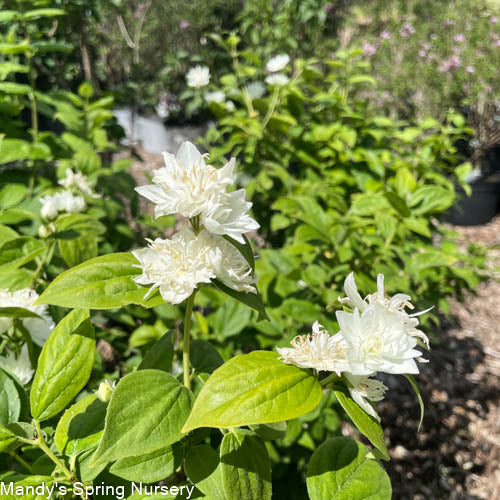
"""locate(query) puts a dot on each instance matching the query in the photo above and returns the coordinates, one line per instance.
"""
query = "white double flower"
(378, 335)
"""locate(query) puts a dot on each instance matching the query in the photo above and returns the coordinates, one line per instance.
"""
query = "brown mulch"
(456, 453)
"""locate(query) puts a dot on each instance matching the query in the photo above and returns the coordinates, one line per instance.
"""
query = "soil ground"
(456, 453)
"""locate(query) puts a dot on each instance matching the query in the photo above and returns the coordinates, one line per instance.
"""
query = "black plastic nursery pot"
(478, 208)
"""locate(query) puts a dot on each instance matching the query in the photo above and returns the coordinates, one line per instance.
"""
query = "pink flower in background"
(459, 38)
(184, 25)
(493, 19)
(497, 44)
(369, 49)
(385, 35)
(407, 30)
(469, 69)
(422, 53)
(457, 50)
(328, 7)
(450, 65)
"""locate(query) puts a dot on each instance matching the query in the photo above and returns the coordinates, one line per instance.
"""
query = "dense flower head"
(215, 96)
(63, 201)
(277, 80)
(39, 328)
(277, 63)
(364, 389)
(79, 181)
(386, 35)
(190, 187)
(198, 77)
(178, 265)
(369, 49)
(318, 350)
(407, 30)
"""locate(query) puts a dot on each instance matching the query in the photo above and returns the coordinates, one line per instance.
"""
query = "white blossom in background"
(229, 215)
(190, 187)
(198, 77)
(215, 96)
(230, 266)
(178, 265)
(278, 79)
(363, 389)
(277, 63)
(39, 328)
(230, 106)
(20, 366)
(392, 305)
(79, 181)
(63, 201)
(256, 90)
(319, 350)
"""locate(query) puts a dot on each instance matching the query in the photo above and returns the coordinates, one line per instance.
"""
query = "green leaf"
(204, 356)
(64, 365)
(17, 312)
(245, 466)
(252, 300)
(39, 13)
(80, 428)
(245, 250)
(340, 468)
(104, 282)
(202, 466)
(14, 150)
(7, 437)
(16, 253)
(398, 203)
(230, 319)
(7, 233)
(365, 423)
(15, 88)
(151, 467)
(7, 16)
(20, 490)
(362, 79)
(414, 385)
(147, 411)
(11, 195)
(270, 432)
(254, 388)
(160, 355)
(10, 402)
(86, 90)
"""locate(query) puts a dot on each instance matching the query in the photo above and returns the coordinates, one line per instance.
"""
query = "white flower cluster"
(198, 77)
(63, 201)
(78, 181)
(274, 65)
(19, 366)
(193, 189)
(377, 336)
(219, 97)
(39, 328)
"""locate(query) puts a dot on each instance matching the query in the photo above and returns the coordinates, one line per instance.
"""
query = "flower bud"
(105, 390)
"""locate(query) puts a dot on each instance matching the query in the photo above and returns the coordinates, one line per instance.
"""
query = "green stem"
(29, 341)
(21, 460)
(327, 380)
(44, 259)
(187, 333)
(43, 446)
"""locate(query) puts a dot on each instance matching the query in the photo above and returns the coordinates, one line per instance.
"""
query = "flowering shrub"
(214, 426)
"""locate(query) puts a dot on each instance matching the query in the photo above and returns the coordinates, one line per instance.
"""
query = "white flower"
(190, 187)
(176, 266)
(215, 96)
(256, 90)
(318, 350)
(230, 266)
(395, 305)
(230, 106)
(228, 215)
(277, 63)
(279, 79)
(363, 389)
(63, 201)
(79, 181)
(197, 77)
(20, 366)
(39, 328)
(378, 341)
(186, 185)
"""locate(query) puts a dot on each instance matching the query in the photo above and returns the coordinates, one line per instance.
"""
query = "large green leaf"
(10, 402)
(147, 411)
(160, 355)
(7, 437)
(254, 388)
(366, 424)
(230, 319)
(151, 467)
(341, 469)
(64, 366)
(245, 466)
(104, 282)
(16, 253)
(204, 356)
(11, 195)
